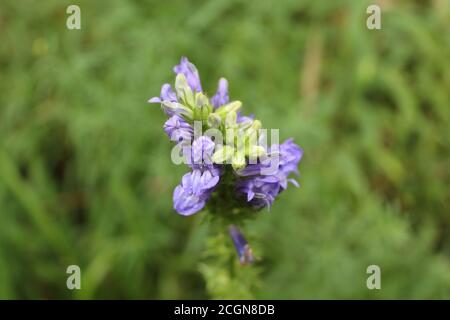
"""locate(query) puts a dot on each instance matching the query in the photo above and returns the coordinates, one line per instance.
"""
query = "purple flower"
(195, 189)
(178, 130)
(221, 96)
(167, 94)
(266, 179)
(199, 155)
(196, 186)
(190, 72)
(259, 183)
(261, 190)
(202, 151)
(243, 249)
(290, 156)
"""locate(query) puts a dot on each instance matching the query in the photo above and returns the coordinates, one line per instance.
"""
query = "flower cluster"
(228, 140)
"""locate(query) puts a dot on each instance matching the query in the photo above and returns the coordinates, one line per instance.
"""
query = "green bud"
(230, 119)
(183, 90)
(252, 132)
(202, 107)
(229, 107)
(201, 100)
(238, 160)
(256, 151)
(222, 155)
(214, 120)
(178, 108)
(256, 125)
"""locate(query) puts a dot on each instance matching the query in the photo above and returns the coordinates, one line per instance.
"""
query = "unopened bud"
(214, 120)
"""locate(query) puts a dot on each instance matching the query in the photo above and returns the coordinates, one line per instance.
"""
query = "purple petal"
(242, 248)
(177, 129)
(167, 94)
(221, 96)
(195, 189)
(190, 72)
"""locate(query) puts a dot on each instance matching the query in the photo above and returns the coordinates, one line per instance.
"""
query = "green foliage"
(225, 278)
(85, 170)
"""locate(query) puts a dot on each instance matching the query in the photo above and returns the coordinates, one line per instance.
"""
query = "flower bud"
(183, 90)
(242, 248)
(229, 107)
(214, 120)
(238, 160)
(202, 107)
(230, 119)
(223, 155)
(172, 108)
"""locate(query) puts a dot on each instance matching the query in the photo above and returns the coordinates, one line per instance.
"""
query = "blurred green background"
(85, 170)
